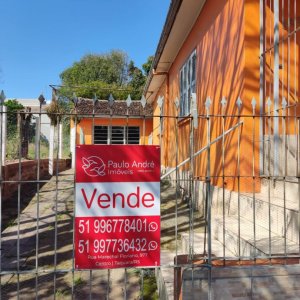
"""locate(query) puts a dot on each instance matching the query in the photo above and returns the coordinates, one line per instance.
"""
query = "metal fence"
(230, 190)
(219, 207)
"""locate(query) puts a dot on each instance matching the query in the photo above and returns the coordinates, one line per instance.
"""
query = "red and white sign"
(117, 211)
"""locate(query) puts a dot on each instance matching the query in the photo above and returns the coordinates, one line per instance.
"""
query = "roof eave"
(181, 18)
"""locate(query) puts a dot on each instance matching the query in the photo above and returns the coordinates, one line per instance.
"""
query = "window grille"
(187, 84)
(117, 135)
(101, 135)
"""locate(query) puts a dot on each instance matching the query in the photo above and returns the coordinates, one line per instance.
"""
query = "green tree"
(147, 65)
(136, 75)
(108, 68)
(103, 74)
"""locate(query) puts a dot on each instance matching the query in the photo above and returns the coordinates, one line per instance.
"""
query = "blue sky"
(40, 38)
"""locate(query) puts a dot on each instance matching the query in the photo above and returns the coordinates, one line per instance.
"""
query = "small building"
(103, 122)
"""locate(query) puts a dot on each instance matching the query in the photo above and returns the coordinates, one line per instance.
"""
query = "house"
(241, 59)
(224, 89)
(116, 122)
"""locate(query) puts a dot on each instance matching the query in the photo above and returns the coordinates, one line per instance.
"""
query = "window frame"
(187, 83)
(114, 140)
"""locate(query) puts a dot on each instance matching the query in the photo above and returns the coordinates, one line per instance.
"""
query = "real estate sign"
(117, 211)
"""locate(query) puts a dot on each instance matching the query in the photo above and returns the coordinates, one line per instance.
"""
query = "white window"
(187, 84)
(116, 135)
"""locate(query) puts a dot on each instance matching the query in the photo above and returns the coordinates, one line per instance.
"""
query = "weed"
(10, 223)
(78, 281)
(150, 285)
(61, 293)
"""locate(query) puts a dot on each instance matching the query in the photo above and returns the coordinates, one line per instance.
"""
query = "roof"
(118, 108)
(181, 18)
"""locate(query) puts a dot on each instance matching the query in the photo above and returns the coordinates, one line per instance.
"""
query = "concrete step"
(277, 214)
(240, 240)
(272, 210)
(288, 188)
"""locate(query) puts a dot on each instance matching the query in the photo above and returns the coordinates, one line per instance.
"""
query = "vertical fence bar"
(208, 197)
(2, 98)
(142, 284)
(177, 184)
(298, 153)
(4, 134)
(270, 51)
(51, 148)
(128, 102)
(269, 176)
(19, 201)
(190, 204)
(160, 103)
(253, 177)
(295, 81)
(239, 103)
(143, 102)
(261, 87)
(144, 129)
(37, 156)
(108, 284)
(125, 283)
(95, 103)
(276, 88)
(75, 115)
(56, 206)
(284, 173)
(110, 103)
(298, 93)
(223, 106)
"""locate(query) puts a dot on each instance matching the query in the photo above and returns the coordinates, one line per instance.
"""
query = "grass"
(44, 151)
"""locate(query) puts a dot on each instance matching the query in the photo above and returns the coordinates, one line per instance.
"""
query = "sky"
(41, 38)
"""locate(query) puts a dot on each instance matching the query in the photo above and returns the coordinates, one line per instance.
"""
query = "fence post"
(60, 139)
(276, 88)
(37, 138)
(4, 133)
(51, 149)
(72, 144)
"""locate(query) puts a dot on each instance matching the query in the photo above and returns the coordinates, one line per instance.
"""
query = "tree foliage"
(103, 74)
(108, 68)
(147, 65)
(13, 106)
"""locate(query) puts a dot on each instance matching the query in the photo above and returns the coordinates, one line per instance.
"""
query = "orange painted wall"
(156, 114)
(86, 125)
(226, 38)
